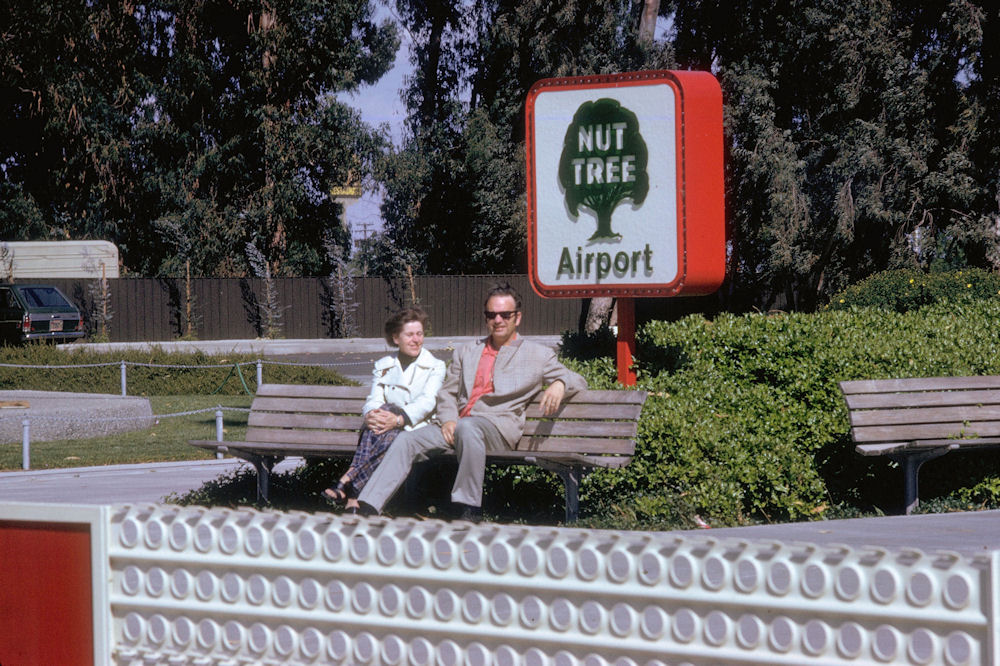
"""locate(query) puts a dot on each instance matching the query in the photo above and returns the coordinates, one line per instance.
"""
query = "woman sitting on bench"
(403, 396)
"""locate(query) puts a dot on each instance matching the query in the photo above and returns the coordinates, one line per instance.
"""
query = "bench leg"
(571, 476)
(911, 463)
(263, 465)
(571, 482)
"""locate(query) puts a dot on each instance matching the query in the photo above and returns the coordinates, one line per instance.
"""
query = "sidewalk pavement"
(118, 484)
(968, 534)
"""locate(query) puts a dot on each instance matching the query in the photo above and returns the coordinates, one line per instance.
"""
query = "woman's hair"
(395, 323)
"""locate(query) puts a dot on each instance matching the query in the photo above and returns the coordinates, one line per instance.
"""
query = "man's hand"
(448, 431)
(552, 397)
(381, 421)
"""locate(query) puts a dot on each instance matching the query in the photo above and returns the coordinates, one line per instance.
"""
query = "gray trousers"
(474, 436)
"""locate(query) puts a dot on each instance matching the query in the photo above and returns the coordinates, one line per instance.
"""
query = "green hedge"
(745, 422)
(905, 290)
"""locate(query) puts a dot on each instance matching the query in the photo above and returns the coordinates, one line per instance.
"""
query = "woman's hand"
(381, 421)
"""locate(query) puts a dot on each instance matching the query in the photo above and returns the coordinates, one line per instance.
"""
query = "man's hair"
(394, 324)
(504, 289)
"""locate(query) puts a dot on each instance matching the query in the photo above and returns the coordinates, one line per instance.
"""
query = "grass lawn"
(166, 440)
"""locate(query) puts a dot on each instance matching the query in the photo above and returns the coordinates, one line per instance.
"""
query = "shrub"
(745, 422)
(905, 290)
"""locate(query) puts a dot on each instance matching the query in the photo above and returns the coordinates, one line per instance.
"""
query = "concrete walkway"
(118, 484)
(969, 534)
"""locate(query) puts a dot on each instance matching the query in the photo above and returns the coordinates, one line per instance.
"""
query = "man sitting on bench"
(481, 407)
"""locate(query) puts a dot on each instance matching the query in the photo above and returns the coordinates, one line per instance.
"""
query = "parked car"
(37, 312)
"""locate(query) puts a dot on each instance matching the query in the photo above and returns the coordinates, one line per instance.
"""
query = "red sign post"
(625, 190)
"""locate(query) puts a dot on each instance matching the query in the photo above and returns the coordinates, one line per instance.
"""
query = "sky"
(380, 104)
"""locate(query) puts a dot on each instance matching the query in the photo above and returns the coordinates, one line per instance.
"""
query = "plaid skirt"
(368, 455)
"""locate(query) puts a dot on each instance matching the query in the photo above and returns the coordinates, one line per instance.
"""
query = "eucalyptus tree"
(184, 129)
(455, 191)
(850, 127)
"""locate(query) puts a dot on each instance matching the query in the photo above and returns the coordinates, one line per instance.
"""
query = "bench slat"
(580, 429)
(309, 405)
(956, 432)
(606, 397)
(306, 421)
(265, 438)
(323, 437)
(925, 415)
(920, 384)
(928, 399)
(576, 445)
(521, 457)
(310, 422)
(880, 449)
(572, 410)
(609, 462)
(952, 443)
(590, 411)
(311, 391)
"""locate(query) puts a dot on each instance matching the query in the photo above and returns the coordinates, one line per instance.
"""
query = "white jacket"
(414, 389)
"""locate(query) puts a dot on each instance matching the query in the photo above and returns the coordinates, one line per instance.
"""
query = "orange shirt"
(483, 383)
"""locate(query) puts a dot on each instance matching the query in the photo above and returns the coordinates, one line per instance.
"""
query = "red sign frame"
(701, 228)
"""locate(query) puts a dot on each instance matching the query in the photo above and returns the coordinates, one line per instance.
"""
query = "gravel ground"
(56, 415)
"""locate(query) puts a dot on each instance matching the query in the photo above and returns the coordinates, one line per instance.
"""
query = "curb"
(264, 347)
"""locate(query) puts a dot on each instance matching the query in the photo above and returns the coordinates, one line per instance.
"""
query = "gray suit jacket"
(522, 368)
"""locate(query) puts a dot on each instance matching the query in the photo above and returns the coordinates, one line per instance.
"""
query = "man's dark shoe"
(365, 509)
(467, 512)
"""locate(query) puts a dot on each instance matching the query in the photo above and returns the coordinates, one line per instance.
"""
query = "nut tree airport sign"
(625, 185)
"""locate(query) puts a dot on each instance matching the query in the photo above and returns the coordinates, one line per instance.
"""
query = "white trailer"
(30, 260)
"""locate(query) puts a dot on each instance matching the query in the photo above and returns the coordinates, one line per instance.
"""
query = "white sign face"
(605, 186)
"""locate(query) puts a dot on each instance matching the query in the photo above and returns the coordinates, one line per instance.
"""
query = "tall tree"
(68, 83)
(458, 200)
(248, 134)
(420, 178)
(184, 129)
(850, 125)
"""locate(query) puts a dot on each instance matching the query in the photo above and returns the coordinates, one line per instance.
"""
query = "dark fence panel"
(229, 308)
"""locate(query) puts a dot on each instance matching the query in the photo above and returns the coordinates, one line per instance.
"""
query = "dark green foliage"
(455, 190)
(587, 346)
(182, 130)
(146, 381)
(859, 138)
(985, 495)
(745, 421)
(905, 290)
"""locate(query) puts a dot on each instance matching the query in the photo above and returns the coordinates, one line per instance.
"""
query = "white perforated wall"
(196, 586)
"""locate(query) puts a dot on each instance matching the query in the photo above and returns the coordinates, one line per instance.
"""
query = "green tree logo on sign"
(603, 162)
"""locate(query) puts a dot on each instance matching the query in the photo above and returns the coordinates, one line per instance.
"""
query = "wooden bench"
(593, 429)
(916, 420)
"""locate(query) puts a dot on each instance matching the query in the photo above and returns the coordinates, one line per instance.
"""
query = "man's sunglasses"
(506, 314)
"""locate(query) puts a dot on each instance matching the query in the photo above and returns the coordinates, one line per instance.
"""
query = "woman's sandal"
(338, 494)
